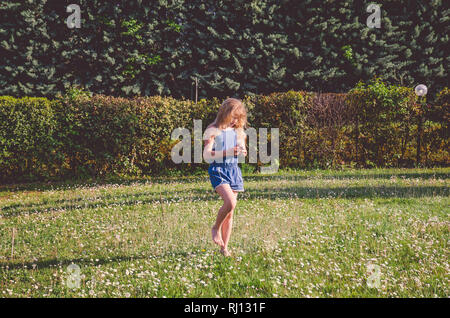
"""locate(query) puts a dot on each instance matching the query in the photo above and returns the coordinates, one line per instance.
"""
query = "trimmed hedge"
(78, 135)
(28, 128)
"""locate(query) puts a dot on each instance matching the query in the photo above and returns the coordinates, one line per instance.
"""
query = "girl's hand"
(235, 151)
(230, 152)
(242, 150)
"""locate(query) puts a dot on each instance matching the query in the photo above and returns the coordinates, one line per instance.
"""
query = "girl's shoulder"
(212, 131)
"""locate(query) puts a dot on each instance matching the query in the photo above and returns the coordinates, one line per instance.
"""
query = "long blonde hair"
(230, 107)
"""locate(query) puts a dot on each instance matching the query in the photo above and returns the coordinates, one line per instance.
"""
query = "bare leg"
(226, 229)
(229, 203)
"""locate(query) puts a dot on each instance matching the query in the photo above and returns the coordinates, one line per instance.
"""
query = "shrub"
(436, 132)
(79, 135)
(382, 117)
(27, 144)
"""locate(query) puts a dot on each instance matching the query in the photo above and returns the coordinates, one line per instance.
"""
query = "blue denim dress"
(228, 170)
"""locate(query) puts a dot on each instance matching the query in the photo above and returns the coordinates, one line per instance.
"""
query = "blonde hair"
(230, 107)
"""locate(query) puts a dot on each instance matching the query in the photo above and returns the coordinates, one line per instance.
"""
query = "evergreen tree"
(136, 47)
(27, 50)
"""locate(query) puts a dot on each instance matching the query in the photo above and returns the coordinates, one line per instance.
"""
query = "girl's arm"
(209, 154)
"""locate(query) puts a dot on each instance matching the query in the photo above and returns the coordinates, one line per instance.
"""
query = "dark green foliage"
(233, 47)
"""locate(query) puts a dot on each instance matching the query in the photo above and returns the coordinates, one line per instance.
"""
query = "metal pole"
(420, 90)
(196, 89)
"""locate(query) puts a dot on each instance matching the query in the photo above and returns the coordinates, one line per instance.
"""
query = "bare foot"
(216, 237)
(225, 252)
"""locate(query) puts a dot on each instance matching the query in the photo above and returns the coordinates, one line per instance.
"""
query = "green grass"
(295, 234)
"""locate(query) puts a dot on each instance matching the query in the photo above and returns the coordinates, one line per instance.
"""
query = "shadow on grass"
(74, 202)
(12, 265)
(70, 185)
(293, 192)
(291, 176)
(357, 176)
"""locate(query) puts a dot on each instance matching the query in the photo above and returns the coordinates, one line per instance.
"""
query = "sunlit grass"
(295, 234)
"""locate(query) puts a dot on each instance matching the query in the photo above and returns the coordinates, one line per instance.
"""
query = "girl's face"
(233, 121)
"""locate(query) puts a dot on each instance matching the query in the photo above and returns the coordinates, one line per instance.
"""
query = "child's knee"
(231, 205)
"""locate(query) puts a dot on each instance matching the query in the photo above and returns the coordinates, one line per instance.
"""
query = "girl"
(224, 140)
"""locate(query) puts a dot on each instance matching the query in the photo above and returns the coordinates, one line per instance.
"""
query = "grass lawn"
(295, 234)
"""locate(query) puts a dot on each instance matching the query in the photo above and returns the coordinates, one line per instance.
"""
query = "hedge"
(77, 135)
